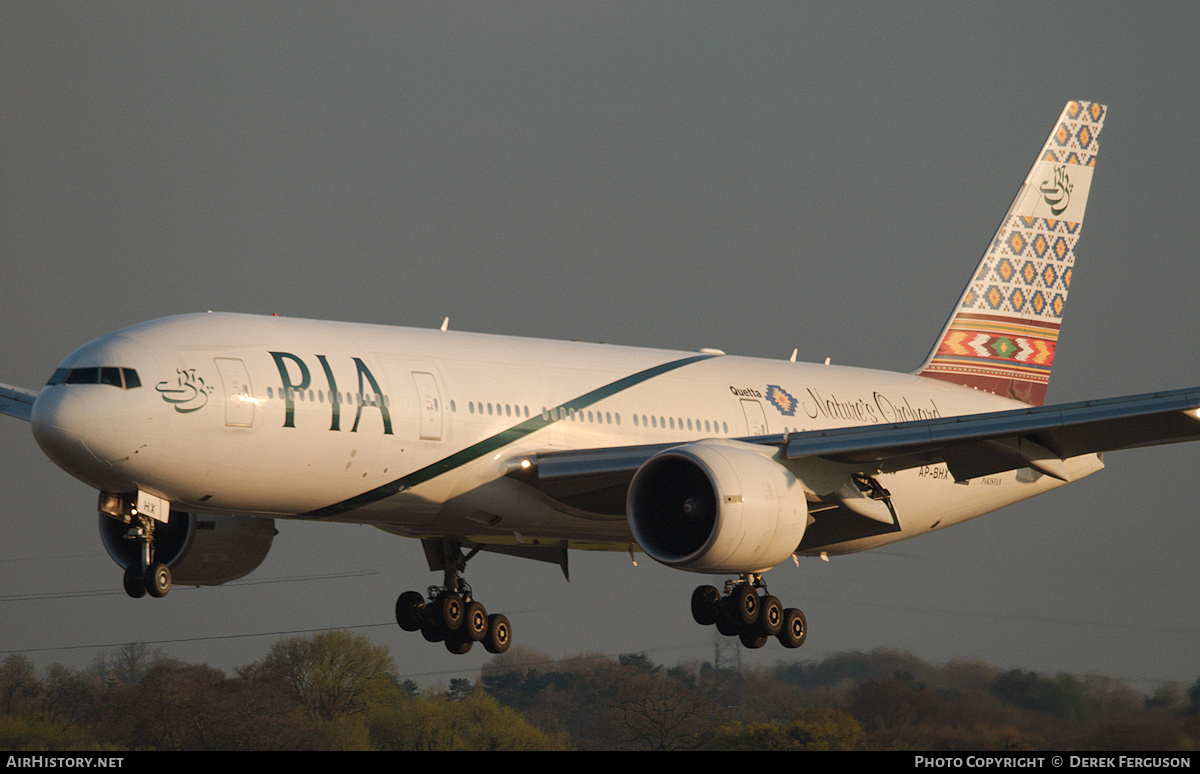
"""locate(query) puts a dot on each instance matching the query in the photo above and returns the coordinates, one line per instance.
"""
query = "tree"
(330, 673)
(70, 695)
(130, 663)
(475, 721)
(640, 708)
(460, 688)
(17, 681)
(813, 728)
(1193, 694)
(197, 708)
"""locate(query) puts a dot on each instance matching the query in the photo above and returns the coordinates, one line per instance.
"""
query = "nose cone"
(60, 421)
(103, 434)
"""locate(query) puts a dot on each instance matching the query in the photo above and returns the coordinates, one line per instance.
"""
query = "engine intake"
(717, 506)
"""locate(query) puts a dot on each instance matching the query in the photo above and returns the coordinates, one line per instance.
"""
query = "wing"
(971, 446)
(984, 444)
(16, 402)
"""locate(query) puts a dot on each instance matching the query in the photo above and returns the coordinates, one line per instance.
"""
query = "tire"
(752, 639)
(795, 628)
(409, 609)
(458, 644)
(475, 622)
(728, 627)
(158, 580)
(432, 631)
(450, 607)
(770, 616)
(706, 605)
(134, 585)
(744, 605)
(499, 634)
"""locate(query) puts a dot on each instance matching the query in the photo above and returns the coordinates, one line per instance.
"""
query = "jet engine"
(717, 506)
(200, 549)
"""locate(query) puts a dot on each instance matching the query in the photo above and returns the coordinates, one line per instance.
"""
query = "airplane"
(200, 430)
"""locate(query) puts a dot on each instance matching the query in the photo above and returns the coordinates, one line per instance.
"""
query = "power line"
(119, 592)
(207, 638)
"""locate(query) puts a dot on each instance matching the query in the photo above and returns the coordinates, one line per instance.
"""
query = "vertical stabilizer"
(1002, 334)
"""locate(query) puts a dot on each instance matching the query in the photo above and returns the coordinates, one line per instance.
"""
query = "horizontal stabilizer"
(16, 402)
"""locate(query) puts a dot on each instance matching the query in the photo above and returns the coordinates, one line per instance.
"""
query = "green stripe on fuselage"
(497, 441)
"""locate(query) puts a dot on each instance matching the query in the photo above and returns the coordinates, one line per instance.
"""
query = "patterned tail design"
(1001, 336)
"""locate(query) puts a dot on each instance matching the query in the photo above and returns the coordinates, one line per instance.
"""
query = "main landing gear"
(741, 612)
(449, 613)
(145, 576)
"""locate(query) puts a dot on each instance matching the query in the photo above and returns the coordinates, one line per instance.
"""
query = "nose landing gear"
(131, 540)
(742, 613)
(146, 575)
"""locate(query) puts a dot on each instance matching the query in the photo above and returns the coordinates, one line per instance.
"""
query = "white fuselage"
(415, 430)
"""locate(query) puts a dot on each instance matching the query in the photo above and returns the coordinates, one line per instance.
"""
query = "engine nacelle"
(717, 506)
(200, 549)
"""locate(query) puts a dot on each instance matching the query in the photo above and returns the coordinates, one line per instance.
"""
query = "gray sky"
(754, 178)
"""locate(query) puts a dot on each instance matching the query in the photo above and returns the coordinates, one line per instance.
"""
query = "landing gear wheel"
(727, 626)
(744, 600)
(499, 634)
(458, 644)
(740, 612)
(475, 622)
(158, 579)
(752, 639)
(450, 605)
(409, 608)
(770, 616)
(795, 628)
(134, 585)
(706, 601)
(449, 613)
(432, 631)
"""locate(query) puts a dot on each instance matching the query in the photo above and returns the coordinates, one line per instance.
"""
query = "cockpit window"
(124, 378)
(84, 376)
